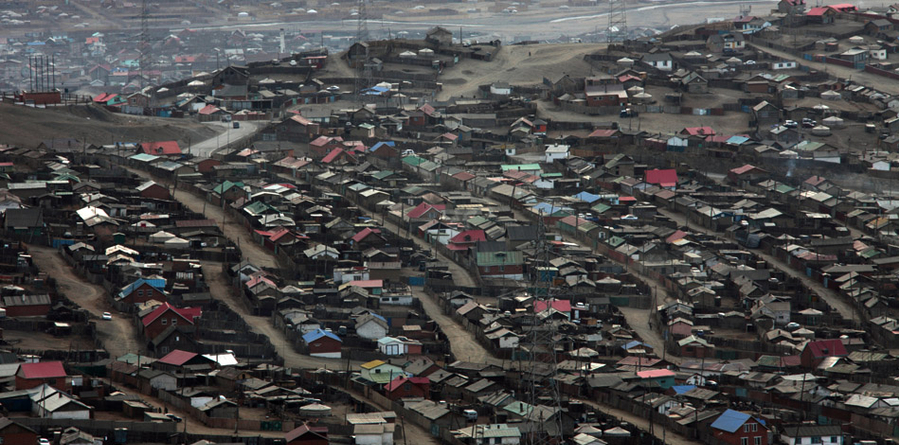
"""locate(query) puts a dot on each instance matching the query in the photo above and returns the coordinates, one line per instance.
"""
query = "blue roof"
(737, 140)
(730, 421)
(634, 344)
(586, 197)
(382, 143)
(157, 283)
(312, 336)
(548, 209)
(379, 317)
(680, 389)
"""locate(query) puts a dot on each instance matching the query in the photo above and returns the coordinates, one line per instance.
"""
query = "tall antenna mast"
(617, 21)
(144, 43)
(544, 396)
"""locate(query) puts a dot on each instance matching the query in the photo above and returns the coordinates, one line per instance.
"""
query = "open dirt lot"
(26, 127)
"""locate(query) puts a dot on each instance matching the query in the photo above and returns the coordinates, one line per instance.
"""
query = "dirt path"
(833, 299)
(233, 230)
(119, 335)
(878, 82)
(462, 341)
(669, 438)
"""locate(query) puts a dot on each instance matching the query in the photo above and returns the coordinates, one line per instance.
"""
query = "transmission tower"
(544, 396)
(362, 37)
(617, 20)
(144, 44)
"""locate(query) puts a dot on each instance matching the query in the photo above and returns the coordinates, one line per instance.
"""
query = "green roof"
(499, 258)
(586, 227)
(225, 186)
(414, 161)
(551, 175)
(601, 208)
(358, 187)
(870, 253)
(477, 220)
(258, 207)
(414, 190)
(382, 174)
(616, 241)
(783, 188)
(524, 167)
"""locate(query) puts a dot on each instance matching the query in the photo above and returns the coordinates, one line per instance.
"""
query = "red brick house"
(322, 343)
(307, 435)
(27, 305)
(403, 386)
(181, 361)
(205, 165)
(167, 315)
(141, 291)
(12, 433)
(736, 428)
(695, 347)
(32, 375)
(153, 190)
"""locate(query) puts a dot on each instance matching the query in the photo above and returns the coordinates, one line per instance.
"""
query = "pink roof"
(188, 313)
(364, 234)
(744, 169)
(626, 199)
(559, 305)
(667, 176)
(628, 77)
(743, 19)
(367, 284)
(655, 373)
(209, 109)
(161, 147)
(680, 234)
(301, 120)
(399, 381)
(177, 357)
(427, 109)
(817, 12)
(321, 141)
(259, 278)
(464, 176)
(602, 133)
(42, 370)
(449, 136)
(815, 180)
(698, 131)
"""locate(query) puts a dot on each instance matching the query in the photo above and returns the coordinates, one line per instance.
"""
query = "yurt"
(316, 410)
(821, 130)
(833, 122)
(642, 98)
(161, 237)
(856, 40)
(407, 54)
(831, 95)
(426, 52)
(625, 61)
(177, 243)
(635, 90)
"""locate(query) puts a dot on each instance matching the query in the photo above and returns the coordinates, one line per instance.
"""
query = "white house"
(371, 327)
(505, 338)
(784, 65)
(322, 252)
(346, 274)
(495, 433)
(398, 346)
(555, 152)
(878, 53)
(160, 379)
(373, 434)
(48, 402)
(501, 88)
(659, 61)
(676, 142)
(812, 434)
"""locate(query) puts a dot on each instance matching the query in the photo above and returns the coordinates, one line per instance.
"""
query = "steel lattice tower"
(541, 342)
(617, 20)
(363, 81)
(144, 43)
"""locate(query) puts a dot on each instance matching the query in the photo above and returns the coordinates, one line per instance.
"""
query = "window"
(140, 293)
(407, 387)
(755, 427)
(165, 321)
(746, 428)
(497, 440)
(816, 439)
(744, 440)
(758, 440)
(174, 321)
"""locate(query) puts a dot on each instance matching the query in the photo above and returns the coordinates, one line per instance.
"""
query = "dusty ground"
(39, 341)
(27, 127)
(119, 335)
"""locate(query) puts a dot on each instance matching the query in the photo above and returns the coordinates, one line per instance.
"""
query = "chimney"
(283, 45)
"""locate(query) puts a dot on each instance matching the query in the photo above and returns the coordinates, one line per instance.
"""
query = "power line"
(617, 21)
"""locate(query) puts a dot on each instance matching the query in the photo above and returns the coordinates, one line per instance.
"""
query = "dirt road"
(462, 341)
(643, 423)
(833, 299)
(119, 335)
(233, 230)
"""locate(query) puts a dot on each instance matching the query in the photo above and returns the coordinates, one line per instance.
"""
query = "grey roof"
(33, 217)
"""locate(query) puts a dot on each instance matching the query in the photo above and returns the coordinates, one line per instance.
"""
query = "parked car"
(107, 316)
(809, 123)
(791, 124)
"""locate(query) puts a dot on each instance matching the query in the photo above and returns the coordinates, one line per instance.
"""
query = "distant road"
(209, 146)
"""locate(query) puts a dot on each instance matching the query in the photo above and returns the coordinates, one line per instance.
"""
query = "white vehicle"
(107, 316)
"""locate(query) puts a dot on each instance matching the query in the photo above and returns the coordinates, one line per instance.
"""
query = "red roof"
(364, 234)
(559, 305)
(628, 77)
(423, 208)
(464, 176)
(397, 382)
(209, 109)
(177, 357)
(679, 234)
(367, 284)
(449, 136)
(827, 348)
(102, 97)
(187, 313)
(667, 176)
(42, 370)
(332, 155)
(469, 236)
(161, 148)
(427, 109)
(698, 131)
(744, 169)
